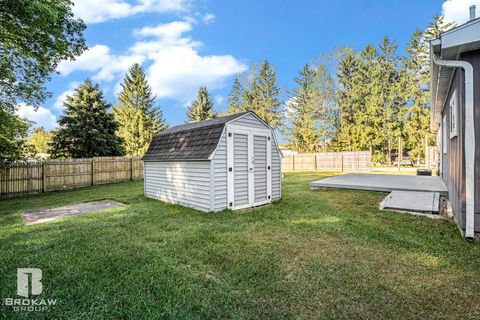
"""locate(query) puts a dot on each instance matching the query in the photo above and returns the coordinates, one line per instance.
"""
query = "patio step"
(412, 201)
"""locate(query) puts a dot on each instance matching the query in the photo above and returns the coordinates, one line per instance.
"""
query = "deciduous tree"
(34, 37)
(40, 140)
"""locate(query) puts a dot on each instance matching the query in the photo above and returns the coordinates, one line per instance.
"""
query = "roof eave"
(449, 47)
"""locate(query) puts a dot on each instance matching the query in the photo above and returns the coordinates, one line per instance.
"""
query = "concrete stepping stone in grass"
(51, 214)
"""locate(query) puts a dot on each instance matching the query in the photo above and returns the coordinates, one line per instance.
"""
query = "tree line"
(375, 100)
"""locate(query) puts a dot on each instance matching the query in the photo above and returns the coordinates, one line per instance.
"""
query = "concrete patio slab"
(383, 182)
(412, 201)
(45, 215)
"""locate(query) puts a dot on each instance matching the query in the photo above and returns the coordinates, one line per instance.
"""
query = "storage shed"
(229, 162)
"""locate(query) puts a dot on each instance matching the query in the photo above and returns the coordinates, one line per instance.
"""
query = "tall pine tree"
(87, 128)
(346, 100)
(263, 96)
(326, 112)
(138, 117)
(303, 104)
(235, 102)
(415, 80)
(437, 27)
(202, 108)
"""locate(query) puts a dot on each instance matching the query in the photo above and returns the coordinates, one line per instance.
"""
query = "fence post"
(44, 180)
(315, 159)
(93, 172)
(342, 161)
(293, 162)
(131, 167)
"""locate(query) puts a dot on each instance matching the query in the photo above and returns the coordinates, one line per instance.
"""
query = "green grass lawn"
(312, 255)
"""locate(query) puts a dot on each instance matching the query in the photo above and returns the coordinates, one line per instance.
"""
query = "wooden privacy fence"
(21, 178)
(335, 161)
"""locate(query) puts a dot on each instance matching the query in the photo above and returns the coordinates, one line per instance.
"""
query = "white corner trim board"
(469, 141)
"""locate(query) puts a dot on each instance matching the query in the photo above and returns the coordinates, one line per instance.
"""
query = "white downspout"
(469, 141)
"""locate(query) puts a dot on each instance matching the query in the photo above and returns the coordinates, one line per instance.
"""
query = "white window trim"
(453, 105)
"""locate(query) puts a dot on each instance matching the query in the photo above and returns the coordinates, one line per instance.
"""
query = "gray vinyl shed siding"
(220, 175)
(251, 121)
(453, 162)
(240, 169)
(183, 182)
(203, 185)
(220, 164)
(260, 171)
(276, 173)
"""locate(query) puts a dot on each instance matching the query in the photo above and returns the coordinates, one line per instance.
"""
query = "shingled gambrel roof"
(191, 141)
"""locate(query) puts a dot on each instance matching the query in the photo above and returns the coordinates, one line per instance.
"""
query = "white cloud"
(208, 18)
(167, 31)
(90, 60)
(458, 10)
(92, 11)
(175, 67)
(218, 99)
(178, 71)
(42, 116)
(58, 104)
(99, 59)
(116, 66)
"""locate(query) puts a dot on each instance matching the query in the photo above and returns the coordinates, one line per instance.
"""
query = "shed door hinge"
(268, 167)
(230, 204)
(229, 134)
(268, 138)
(230, 169)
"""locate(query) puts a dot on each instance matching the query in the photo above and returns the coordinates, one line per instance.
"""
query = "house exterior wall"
(453, 161)
(220, 164)
(184, 182)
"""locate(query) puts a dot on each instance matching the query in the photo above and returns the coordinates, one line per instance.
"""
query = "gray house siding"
(453, 161)
(182, 182)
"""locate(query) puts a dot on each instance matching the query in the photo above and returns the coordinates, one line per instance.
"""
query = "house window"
(453, 115)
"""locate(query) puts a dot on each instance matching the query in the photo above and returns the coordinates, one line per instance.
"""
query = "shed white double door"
(249, 162)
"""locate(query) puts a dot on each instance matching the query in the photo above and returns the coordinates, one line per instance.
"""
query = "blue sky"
(183, 44)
